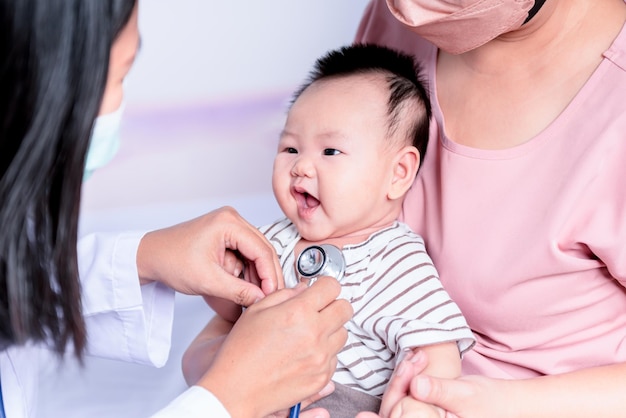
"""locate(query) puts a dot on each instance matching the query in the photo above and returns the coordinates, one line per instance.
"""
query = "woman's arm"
(597, 391)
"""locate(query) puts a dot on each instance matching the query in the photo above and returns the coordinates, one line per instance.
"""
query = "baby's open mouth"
(306, 200)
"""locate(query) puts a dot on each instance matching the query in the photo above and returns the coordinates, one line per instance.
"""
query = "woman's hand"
(467, 396)
(472, 396)
(283, 349)
(192, 258)
(397, 400)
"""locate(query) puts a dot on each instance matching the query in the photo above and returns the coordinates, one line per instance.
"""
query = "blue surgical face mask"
(104, 142)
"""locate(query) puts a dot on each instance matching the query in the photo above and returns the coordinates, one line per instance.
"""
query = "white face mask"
(104, 142)
(458, 26)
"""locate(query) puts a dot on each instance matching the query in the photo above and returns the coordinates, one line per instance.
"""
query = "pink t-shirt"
(529, 241)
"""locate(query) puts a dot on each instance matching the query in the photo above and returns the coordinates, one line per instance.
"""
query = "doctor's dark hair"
(54, 58)
(402, 75)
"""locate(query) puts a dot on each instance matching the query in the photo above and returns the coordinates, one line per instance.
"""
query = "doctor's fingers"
(232, 288)
(313, 412)
(236, 265)
(332, 319)
(251, 244)
(326, 390)
(268, 286)
(321, 294)
(312, 299)
(327, 313)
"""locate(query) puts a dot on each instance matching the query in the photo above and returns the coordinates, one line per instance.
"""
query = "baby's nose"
(302, 167)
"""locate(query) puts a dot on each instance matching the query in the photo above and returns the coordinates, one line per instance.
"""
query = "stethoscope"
(313, 262)
(320, 260)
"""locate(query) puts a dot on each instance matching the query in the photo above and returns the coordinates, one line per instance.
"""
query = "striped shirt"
(398, 301)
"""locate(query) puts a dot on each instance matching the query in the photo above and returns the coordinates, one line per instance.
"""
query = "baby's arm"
(200, 354)
(444, 360)
(225, 308)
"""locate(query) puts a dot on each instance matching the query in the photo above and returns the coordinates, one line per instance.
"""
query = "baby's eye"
(331, 151)
(291, 150)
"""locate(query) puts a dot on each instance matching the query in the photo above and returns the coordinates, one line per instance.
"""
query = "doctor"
(62, 63)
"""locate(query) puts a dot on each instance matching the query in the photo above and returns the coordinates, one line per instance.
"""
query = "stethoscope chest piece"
(320, 260)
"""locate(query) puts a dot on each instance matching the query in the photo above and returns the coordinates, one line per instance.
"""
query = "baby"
(352, 144)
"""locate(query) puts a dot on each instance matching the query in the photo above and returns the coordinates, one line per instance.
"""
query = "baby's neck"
(344, 240)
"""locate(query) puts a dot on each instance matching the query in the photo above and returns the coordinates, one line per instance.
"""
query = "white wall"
(207, 50)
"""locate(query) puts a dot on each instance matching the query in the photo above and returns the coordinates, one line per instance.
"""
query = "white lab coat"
(125, 321)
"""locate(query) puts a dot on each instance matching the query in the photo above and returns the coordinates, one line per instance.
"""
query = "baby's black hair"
(402, 74)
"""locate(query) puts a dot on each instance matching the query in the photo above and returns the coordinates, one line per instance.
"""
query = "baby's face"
(335, 161)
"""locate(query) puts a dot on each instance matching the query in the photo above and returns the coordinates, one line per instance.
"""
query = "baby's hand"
(397, 400)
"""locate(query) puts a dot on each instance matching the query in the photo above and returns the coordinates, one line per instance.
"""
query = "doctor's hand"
(192, 258)
(313, 412)
(281, 350)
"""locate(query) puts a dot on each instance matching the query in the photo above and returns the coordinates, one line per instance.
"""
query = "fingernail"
(401, 368)
(406, 354)
(423, 387)
(417, 356)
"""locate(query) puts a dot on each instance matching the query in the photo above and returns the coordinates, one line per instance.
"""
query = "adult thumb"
(447, 394)
(239, 291)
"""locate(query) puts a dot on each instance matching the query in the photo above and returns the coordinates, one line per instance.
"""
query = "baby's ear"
(405, 167)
